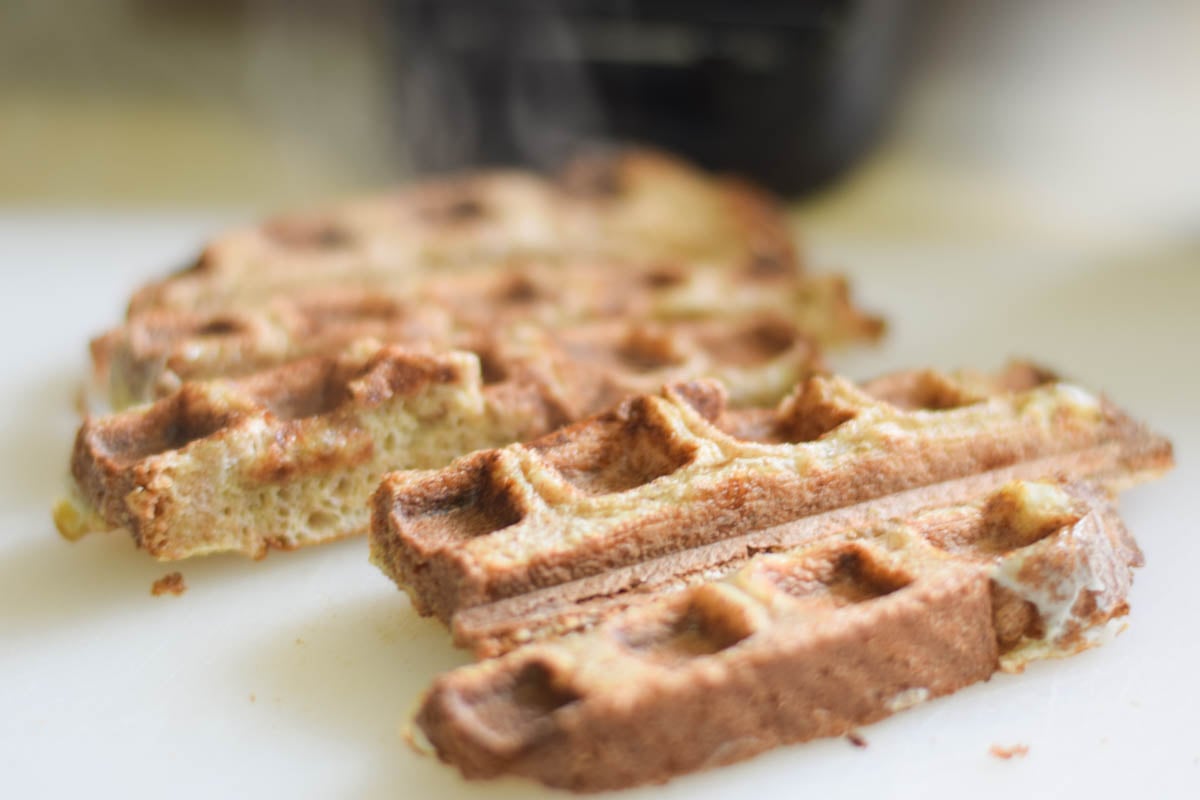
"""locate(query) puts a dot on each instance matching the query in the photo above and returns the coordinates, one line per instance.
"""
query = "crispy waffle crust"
(553, 536)
(633, 236)
(806, 642)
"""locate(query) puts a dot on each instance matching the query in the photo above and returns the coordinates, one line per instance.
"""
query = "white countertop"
(292, 676)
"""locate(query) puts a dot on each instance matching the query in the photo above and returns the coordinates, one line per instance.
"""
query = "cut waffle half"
(811, 641)
(287, 457)
(155, 352)
(628, 205)
(545, 538)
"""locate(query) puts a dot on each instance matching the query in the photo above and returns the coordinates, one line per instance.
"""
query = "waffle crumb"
(171, 583)
(855, 738)
(1008, 753)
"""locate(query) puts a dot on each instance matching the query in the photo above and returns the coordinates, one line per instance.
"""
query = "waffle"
(155, 352)
(630, 205)
(287, 457)
(632, 237)
(808, 642)
(625, 273)
(544, 538)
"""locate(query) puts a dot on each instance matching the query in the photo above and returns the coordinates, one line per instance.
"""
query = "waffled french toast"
(588, 423)
(539, 300)
(808, 641)
(676, 584)
(547, 537)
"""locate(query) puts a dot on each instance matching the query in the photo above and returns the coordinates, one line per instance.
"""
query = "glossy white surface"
(291, 676)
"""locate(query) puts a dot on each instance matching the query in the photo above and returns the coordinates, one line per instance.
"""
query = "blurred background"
(896, 115)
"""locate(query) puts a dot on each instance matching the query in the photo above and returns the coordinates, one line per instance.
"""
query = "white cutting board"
(292, 676)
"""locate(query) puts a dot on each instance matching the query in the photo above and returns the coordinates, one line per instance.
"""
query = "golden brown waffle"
(548, 537)
(288, 457)
(631, 205)
(809, 642)
(154, 352)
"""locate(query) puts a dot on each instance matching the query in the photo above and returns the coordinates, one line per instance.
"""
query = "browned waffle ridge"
(809, 642)
(537, 539)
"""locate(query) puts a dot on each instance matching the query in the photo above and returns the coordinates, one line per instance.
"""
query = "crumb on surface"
(855, 738)
(81, 400)
(416, 741)
(171, 583)
(253, 698)
(1006, 753)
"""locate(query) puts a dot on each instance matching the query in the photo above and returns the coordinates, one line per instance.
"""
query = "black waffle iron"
(789, 92)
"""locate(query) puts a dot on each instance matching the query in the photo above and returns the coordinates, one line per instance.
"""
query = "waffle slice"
(287, 457)
(531, 540)
(630, 205)
(153, 353)
(813, 641)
